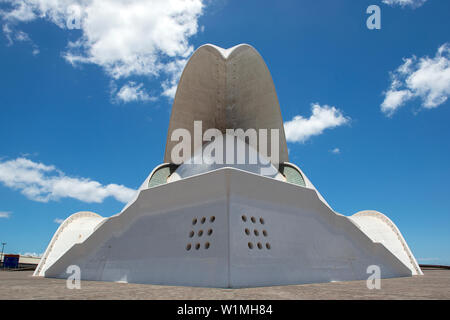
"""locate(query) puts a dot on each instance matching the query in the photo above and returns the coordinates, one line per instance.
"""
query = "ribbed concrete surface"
(232, 93)
(435, 284)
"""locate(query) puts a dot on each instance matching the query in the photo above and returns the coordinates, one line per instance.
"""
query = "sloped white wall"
(308, 241)
(75, 229)
(381, 229)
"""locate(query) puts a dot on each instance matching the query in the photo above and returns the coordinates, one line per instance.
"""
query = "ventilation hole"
(265, 233)
(210, 232)
(256, 232)
(197, 246)
(253, 219)
(203, 220)
(259, 245)
(188, 247)
(207, 245)
(261, 220)
(247, 232)
(191, 234)
(200, 233)
(212, 219)
(244, 218)
(250, 245)
(194, 222)
(268, 245)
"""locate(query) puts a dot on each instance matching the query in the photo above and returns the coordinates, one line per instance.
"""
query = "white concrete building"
(227, 225)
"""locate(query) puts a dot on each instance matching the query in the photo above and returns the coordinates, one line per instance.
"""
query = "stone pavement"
(435, 284)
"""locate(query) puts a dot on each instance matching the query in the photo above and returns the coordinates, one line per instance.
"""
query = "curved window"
(161, 174)
(292, 175)
(202, 162)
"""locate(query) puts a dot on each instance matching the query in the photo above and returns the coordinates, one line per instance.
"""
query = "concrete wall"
(147, 243)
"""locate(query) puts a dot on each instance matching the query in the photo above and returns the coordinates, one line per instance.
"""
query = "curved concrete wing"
(226, 89)
(381, 229)
(75, 229)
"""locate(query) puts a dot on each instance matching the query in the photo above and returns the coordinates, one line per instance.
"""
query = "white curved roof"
(75, 229)
(203, 162)
(381, 229)
(226, 89)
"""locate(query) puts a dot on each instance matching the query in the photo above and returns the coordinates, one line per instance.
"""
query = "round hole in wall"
(194, 221)
(265, 233)
(210, 231)
(261, 220)
(197, 246)
(200, 233)
(250, 245)
(191, 234)
(203, 220)
(247, 232)
(188, 247)
(253, 219)
(212, 219)
(207, 245)
(256, 232)
(244, 218)
(268, 245)
(259, 245)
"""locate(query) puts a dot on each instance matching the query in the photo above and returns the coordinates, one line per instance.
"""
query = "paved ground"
(435, 284)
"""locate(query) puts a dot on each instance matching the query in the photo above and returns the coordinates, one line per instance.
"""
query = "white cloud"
(5, 214)
(124, 37)
(32, 254)
(133, 92)
(13, 35)
(394, 99)
(425, 78)
(427, 259)
(22, 11)
(175, 68)
(335, 151)
(404, 3)
(300, 129)
(43, 183)
(58, 221)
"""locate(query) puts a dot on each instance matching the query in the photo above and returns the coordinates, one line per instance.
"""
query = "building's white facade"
(227, 226)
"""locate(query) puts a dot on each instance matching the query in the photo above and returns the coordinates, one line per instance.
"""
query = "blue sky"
(85, 105)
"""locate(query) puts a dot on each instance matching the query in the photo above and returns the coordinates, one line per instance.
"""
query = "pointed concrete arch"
(226, 89)
(380, 228)
(75, 229)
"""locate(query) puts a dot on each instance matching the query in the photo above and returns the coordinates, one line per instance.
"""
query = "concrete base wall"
(301, 239)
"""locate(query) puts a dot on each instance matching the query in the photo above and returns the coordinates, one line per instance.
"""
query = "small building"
(11, 261)
(18, 261)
